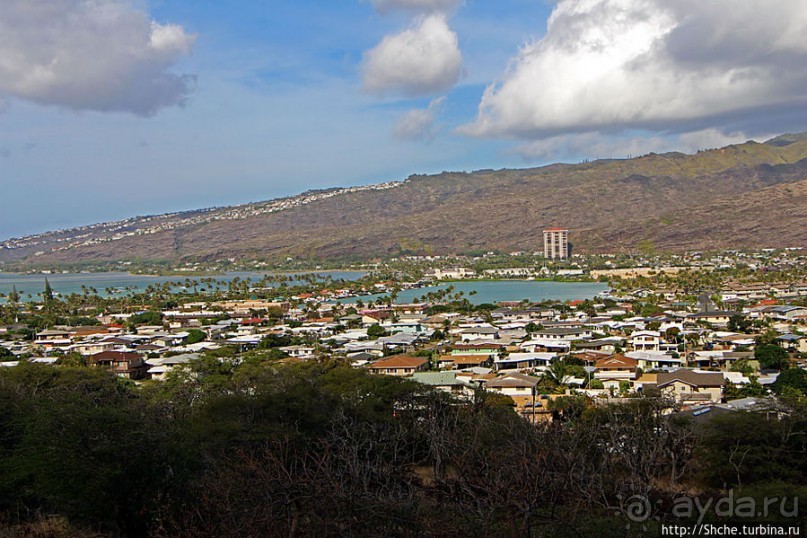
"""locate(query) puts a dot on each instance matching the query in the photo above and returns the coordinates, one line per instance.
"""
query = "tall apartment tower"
(556, 244)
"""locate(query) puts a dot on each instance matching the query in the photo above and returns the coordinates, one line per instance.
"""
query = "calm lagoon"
(493, 291)
(67, 283)
(486, 291)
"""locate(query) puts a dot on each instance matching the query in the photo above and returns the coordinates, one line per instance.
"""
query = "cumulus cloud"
(673, 67)
(418, 124)
(91, 55)
(420, 60)
(422, 6)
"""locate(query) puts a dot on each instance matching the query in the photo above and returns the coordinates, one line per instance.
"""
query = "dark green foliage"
(14, 295)
(739, 323)
(743, 448)
(771, 356)
(47, 294)
(275, 340)
(374, 331)
(568, 407)
(76, 442)
(150, 317)
(195, 336)
(73, 359)
(748, 390)
(75, 321)
(791, 381)
(244, 446)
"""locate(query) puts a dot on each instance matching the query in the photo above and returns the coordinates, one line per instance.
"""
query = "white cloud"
(418, 124)
(423, 6)
(616, 65)
(170, 39)
(91, 55)
(572, 147)
(421, 60)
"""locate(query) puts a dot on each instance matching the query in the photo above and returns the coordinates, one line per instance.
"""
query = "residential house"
(517, 361)
(398, 365)
(299, 351)
(91, 348)
(718, 318)
(53, 339)
(460, 386)
(513, 384)
(690, 387)
(169, 340)
(376, 317)
(795, 342)
(459, 362)
(718, 358)
(406, 327)
(474, 348)
(160, 367)
(615, 369)
(646, 380)
(788, 312)
(645, 340)
(655, 360)
(124, 364)
(608, 344)
(479, 333)
(566, 331)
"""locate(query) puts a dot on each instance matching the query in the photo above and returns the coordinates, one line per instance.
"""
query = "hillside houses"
(605, 348)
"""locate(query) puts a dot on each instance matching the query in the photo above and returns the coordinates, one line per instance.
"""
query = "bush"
(195, 336)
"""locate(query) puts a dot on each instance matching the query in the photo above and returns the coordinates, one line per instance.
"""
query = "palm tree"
(558, 372)
(14, 298)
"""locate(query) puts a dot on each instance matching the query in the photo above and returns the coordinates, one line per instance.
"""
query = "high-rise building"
(556, 244)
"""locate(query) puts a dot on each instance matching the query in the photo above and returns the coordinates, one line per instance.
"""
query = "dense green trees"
(76, 442)
(243, 446)
(744, 448)
(375, 331)
(791, 382)
(771, 356)
(150, 317)
(195, 336)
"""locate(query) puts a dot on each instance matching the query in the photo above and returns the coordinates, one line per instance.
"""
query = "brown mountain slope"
(748, 195)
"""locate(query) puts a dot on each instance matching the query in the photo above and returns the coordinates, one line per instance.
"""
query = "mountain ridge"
(715, 198)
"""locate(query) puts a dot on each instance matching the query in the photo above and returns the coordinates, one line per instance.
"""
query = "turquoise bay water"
(67, 283)
(506, 290)
(486, 291)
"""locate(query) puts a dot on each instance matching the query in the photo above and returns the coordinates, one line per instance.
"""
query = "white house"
(645, 340)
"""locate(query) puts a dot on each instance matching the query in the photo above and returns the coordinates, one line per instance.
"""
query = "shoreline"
(559, 280)
(181, 273)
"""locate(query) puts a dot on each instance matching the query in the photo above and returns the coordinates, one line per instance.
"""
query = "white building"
(556, 243)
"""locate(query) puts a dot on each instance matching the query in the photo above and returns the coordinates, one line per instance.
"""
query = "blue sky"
(141, 107)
